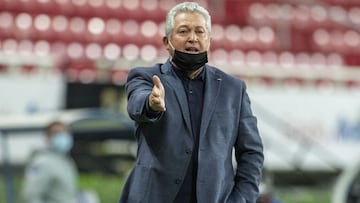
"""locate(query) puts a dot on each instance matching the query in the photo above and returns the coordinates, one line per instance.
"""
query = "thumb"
(157, 82)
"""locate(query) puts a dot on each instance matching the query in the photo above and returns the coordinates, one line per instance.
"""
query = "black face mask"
(189, 62)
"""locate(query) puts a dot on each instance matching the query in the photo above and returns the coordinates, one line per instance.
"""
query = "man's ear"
(165, 40)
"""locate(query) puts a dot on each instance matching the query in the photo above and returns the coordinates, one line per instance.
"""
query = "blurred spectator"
(267, 195)
(51, 175)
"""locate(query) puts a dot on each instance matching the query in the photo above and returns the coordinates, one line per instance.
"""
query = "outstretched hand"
(157, 96)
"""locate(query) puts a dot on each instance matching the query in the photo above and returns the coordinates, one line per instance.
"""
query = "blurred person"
(267, 195)
(189, 117)
(51, 175)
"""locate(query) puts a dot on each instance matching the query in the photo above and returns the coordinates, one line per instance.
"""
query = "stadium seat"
(286, 60)
(7, 22)
(354, 15)
(237, 58)
(250, 37)
(9, 46)
(75, 50)
(112, 51)
(232, 36)
(131, 52)
(148, 53)
(254, 34)
(253, 59)
(219, 57)
(93, 51)
(217, 36)
(302, 60)
(149, 33)
(270, 59)
(119, 76)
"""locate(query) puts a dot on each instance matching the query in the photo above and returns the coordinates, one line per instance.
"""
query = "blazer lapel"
(177, 87)
(212, 88)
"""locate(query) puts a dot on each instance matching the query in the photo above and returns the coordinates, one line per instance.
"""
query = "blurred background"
(69, 59)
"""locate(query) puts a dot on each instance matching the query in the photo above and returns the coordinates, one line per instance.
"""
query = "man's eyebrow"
(196, 27)
(181, 26)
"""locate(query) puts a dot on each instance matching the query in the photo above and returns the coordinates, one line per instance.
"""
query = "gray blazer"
(165, 142)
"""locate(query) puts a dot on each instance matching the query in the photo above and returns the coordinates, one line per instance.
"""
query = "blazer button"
(188, 151)
(178, 181)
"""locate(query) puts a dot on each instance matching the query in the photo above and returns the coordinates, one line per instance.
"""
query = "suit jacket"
(165, 142)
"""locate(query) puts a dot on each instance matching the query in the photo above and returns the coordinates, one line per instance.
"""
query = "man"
(189, 117)
(50, 176)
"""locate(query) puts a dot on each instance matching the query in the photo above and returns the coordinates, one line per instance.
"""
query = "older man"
(189, 117)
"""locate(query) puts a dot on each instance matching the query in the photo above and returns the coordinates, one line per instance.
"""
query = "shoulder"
(143, 73)
(226, 78)
(155, 69)
(40, 157)
(39, 161)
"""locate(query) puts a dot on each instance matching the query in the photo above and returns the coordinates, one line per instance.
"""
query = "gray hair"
(190, 7)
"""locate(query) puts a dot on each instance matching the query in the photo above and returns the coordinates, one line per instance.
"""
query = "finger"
(155, 92)
(162, 105)
(157, 104)
(156, 101)
(157, 82)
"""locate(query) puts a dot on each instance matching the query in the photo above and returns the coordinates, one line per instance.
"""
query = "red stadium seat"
(218, 37)
(150, 33)
(270, 59)
(249, 37)
(148, 53)
(302, 60)
(112, 51)
(93, 51)
(7, 24)
(42, 48)
(151, 10)
(119, 76)
(131, 31)
(318, 60)
(75, 50)
(334, 60)
(81, 70)
(96, 30)
(219, 57)
(10, 46)
(233, 37)
(131, 52)
(262, 33)
(253, 59)
(266, 38)
(24, 27)
(237, 58)
(286, 60)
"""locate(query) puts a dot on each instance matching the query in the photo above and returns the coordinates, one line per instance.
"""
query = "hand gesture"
(157, 96)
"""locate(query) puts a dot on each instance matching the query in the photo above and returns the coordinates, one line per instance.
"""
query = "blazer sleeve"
(249, 155)
(138, 88)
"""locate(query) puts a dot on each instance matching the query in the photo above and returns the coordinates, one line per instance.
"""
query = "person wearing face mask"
(189, 118)
(51, 175)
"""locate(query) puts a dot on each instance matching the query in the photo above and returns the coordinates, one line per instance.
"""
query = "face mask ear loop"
(172, 48)
(171, 45)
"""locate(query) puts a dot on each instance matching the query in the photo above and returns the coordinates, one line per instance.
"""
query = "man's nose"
(193, 37)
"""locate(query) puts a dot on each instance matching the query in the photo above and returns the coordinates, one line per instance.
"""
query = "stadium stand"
(114, 35)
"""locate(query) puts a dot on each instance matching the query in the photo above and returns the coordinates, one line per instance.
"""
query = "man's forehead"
(193, 18)
(57, 127)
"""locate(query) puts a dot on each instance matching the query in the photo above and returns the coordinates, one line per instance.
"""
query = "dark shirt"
(194, 89)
